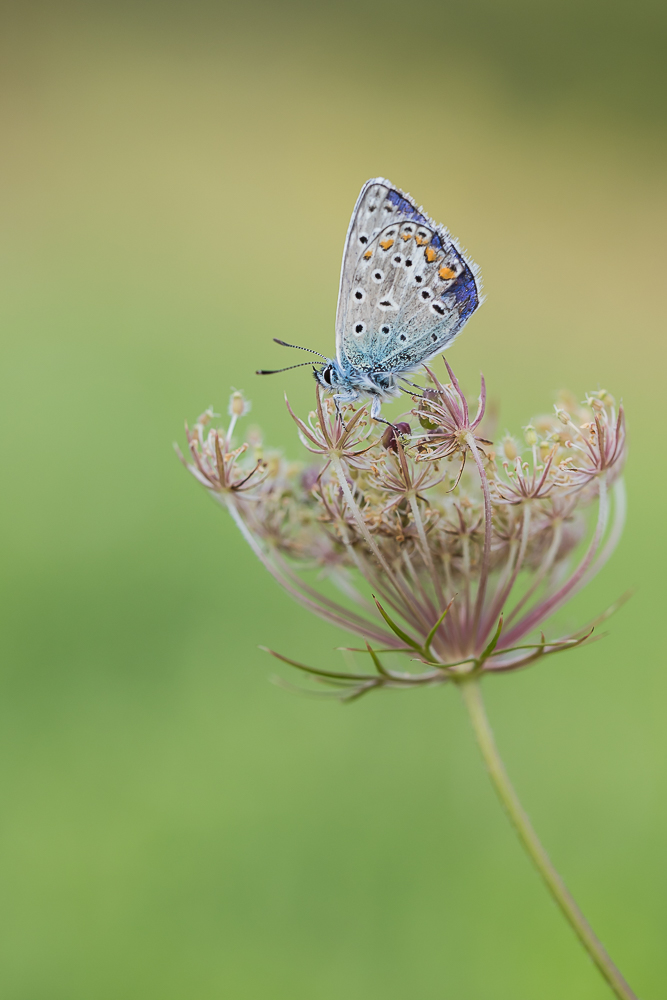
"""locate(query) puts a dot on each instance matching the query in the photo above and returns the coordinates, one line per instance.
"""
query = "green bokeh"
(177, 182)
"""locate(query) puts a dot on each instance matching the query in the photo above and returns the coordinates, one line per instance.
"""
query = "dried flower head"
(464, 548)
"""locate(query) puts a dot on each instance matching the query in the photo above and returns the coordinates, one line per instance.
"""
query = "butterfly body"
(349, 384)
(406, 291)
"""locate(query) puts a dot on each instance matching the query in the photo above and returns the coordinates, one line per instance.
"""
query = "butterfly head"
(330, 377)
(348, 384)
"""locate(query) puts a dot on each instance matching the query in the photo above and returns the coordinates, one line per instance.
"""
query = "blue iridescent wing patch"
(406, 288)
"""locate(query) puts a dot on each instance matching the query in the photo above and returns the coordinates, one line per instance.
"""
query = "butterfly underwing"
(406, 291)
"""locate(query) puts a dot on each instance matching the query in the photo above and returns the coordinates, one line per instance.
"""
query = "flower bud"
(601, 397)
(545, 449)
(544, 425)
(272, 464)
(566, 400)
(390, 436)
(510, 449)
(309, 478)
(238, 405)
(255, 439)
(426, 422)
(530, 435)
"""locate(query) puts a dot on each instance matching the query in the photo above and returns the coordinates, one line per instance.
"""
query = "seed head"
(238, 405)
(444, 548)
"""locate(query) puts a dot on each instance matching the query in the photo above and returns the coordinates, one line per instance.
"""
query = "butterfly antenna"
(276, 371)
(297, 348)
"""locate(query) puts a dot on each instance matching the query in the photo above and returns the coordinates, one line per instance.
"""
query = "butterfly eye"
(378, 276)
(360, 295)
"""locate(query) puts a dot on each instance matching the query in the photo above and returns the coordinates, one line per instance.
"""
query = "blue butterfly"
(406, 292)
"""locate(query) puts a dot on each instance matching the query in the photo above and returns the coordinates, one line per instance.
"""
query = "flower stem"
(472, 697)
(486, 555)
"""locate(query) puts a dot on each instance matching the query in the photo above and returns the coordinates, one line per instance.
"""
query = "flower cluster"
(465, 546)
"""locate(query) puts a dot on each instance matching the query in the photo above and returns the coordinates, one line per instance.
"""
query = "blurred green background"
(177, 180)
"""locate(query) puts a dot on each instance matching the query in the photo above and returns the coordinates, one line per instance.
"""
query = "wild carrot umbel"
(446, 548)
(453, 550)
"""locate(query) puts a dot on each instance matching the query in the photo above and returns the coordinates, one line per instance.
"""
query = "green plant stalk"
(472, 696)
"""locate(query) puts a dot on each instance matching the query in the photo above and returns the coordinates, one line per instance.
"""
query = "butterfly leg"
(376, 408)
(414, 385)
(344, 397)
(412, 394)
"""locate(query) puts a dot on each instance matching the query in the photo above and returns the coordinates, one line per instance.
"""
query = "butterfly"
(406, 292)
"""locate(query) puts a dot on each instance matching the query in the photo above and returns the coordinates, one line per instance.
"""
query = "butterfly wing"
(406, 288)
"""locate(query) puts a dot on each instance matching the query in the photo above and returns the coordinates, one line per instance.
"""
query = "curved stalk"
(356, 514)
(334, 613)
(426, 552)
(486, 556)
(541, 573)
(337, 466)
(472, 697)
(550, 604)
(505, 587)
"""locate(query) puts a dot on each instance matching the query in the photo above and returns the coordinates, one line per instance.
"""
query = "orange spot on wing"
(430, 254)
(421, 240)
(386, 244)
(446, 273)
(406, 236)
(368, 255)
